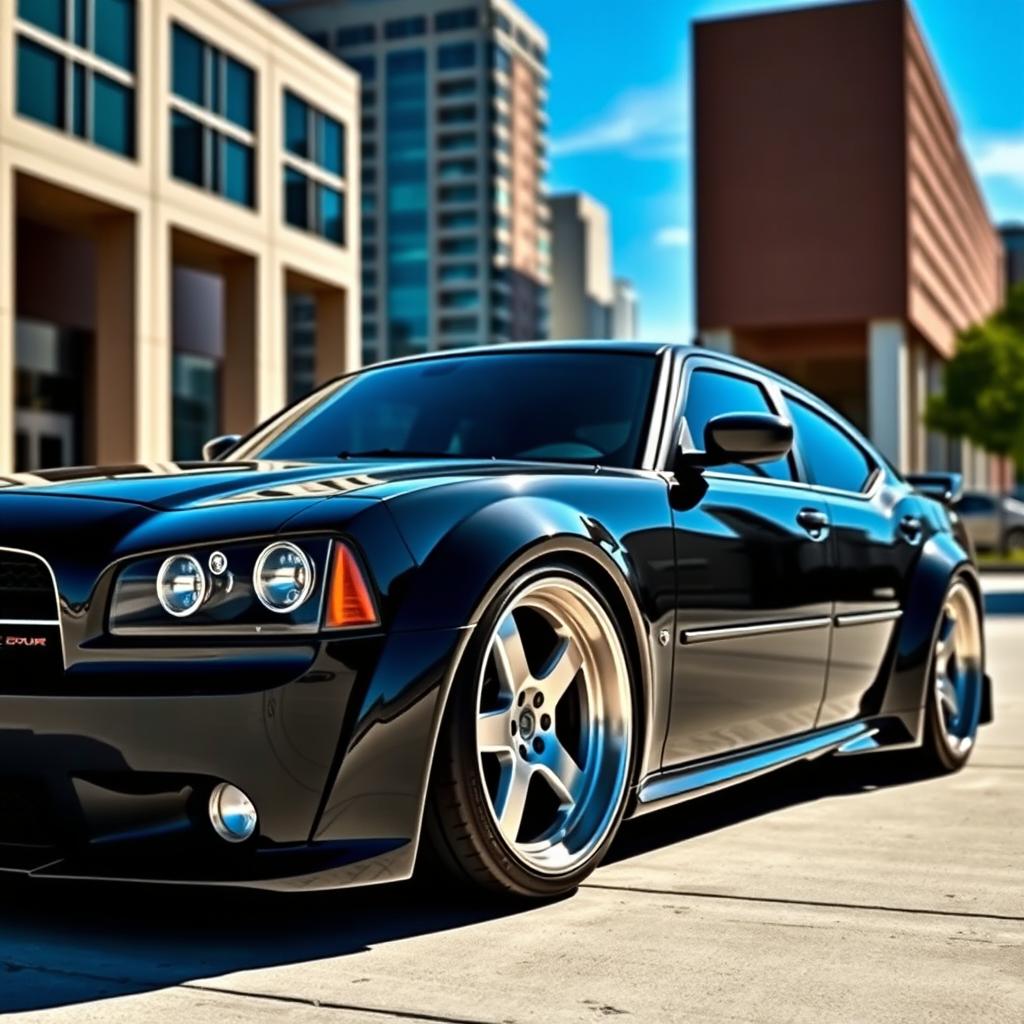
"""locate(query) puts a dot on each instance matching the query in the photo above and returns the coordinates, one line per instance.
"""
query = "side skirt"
(676, 784)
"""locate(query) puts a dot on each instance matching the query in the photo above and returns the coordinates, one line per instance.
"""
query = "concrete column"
(331, 334)
(112, 433)
(7, 314)
(271, 339)
(919, 391)
(241, 344)
(889, 390)
(153, 408)
(718, 340)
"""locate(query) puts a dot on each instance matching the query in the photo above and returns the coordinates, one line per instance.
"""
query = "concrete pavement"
(794, 898)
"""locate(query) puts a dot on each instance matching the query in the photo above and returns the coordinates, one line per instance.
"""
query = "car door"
(753, 600)
(981, 516)
(876, 536)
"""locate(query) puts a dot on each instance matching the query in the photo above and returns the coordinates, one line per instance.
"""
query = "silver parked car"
(986, 526)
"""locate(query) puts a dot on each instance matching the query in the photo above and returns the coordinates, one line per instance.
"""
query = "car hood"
(195, 485)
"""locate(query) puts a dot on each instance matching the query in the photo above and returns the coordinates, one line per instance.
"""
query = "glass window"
(78, 89)
(563, 407)
(239, 107)
(459, 247)
(976, 505)
(296, 198)
(457, 168)
(458, 87)
(296, 126)
(355, 35)
(462, 219)
(458, 272)
(405, 28)
(458, 194)
(46, 14)
(456, 55)
(450, 21)
(40, 83)
(463, 140)
(832, 457)
(710, 394)
(188, 78)
(238, 172)
(460, 324)
(365, 66)
(80, 31)
(196, 389)
(457, 115)
(500, 59)
(460, 300)
(114, 22)
(331, 211)
(186, 148)
(331, 145)
(113, 115)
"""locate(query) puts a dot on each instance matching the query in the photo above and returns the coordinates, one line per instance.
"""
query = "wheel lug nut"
(545, 721)
(538, 699)
(538, 745)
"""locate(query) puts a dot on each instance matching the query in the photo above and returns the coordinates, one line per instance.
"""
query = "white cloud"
(647, 123)
(674, 237)
(1001, 158)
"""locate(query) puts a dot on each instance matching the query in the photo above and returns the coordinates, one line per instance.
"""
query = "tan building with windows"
(841, 236)
(582, 288)
(170, 172)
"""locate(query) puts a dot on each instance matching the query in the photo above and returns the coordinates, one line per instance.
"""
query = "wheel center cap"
(527, 724)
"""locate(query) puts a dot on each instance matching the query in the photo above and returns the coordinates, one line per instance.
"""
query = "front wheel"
(956, 682)
(536, 752)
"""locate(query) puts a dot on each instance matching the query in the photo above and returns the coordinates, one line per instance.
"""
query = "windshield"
(587, 407)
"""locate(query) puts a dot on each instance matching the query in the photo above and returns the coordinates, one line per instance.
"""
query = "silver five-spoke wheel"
(958, 669)
(554, 725)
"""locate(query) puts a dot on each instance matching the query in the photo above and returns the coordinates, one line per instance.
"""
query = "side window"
(975, 504)
(710, 394)
(833, 458)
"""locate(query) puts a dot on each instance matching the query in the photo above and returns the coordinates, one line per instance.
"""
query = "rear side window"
(710, 394)
(833, 458)
(975, 504)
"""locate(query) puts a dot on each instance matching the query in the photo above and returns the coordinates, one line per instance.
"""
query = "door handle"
(812, 520)
(910, 527)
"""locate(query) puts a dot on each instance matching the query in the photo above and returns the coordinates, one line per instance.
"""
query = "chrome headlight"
(181, 586)
(283, 577)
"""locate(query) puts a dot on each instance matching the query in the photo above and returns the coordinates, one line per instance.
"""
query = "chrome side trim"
(56, 597)
(865, 618)
(704, 634)
(29, 622)
(715, 773)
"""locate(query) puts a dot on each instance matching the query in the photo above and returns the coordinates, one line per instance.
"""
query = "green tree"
(983, 394)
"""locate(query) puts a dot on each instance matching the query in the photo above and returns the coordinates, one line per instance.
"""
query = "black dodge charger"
(477, 606)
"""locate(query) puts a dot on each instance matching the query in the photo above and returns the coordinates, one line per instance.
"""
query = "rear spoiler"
(945, 487)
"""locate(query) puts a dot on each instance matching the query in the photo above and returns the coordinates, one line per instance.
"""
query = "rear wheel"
(536, 752)
(957, 682)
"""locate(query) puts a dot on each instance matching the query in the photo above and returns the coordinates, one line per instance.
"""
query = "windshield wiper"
(404, 453)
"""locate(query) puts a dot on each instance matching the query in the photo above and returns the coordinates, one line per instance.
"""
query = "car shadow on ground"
(67, 943)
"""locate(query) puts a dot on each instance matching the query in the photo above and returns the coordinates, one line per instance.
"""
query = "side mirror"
(746, 438)
(219, 446)
(947, 488)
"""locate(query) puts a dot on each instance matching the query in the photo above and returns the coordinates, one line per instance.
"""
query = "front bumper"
(109, 778)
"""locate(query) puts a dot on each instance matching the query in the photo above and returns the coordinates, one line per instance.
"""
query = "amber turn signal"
(349, 601)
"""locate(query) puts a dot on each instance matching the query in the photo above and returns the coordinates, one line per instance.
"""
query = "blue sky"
(620, 120)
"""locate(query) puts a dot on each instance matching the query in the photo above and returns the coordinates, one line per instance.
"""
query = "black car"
(481, 604)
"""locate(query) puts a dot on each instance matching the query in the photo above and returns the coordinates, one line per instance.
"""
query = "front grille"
(26, 588)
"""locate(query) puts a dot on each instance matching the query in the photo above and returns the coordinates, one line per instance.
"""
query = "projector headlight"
(181, 586)
(283, 577)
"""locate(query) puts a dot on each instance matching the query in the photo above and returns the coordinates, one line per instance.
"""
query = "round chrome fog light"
(232, 813)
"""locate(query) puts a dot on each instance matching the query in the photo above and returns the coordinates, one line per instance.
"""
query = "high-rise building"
(582, 293)
(1013, 244)
(170, 170)
(456, 247)
(626, 314)
(841, 236)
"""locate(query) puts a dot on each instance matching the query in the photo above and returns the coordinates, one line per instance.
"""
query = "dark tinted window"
(565, 407)
(710, 394)
(833, 458)
(976, 505)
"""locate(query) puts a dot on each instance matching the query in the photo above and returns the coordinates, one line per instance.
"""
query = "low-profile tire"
(536, 751)
(956, 682)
